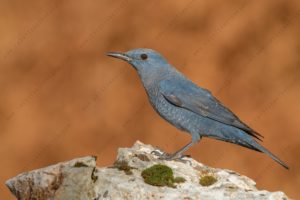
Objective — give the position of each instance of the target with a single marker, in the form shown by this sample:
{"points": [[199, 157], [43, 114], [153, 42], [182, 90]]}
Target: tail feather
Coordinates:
{"points": [[242, 138], [258, 147]]}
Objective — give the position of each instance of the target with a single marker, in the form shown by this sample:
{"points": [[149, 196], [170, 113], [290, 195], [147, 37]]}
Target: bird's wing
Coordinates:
{"points": [[187, 95]]}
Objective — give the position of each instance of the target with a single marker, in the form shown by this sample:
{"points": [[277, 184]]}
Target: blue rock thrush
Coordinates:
{"points": [[187, 106]]}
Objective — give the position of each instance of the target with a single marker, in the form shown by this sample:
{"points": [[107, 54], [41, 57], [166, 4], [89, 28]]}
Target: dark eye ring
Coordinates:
{"points": [[144, 56]]}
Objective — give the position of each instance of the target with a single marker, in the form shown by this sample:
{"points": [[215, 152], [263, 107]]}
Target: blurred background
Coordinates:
{"points": [[62, 97]]}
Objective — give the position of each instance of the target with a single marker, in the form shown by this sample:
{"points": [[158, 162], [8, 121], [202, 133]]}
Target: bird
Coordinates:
{"points": [[187, 106]]}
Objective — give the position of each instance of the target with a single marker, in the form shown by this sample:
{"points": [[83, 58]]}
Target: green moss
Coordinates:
{"points": [[179, 179], [80, 164], [161, 175], [123, 166], [207, 180]]}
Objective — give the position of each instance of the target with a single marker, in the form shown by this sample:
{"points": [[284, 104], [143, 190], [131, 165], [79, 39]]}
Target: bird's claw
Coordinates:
{"points": [[157, 152], [167, 156]]}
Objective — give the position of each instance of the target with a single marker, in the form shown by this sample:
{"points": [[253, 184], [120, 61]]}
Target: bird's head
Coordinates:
{"points": [[143, 60]]}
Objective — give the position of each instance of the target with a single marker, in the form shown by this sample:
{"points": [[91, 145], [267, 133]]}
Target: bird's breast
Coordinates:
{"points": [[171, 113], [175, 115]]}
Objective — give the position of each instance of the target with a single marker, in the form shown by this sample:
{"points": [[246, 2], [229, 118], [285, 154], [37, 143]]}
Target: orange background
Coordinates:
{"points": [[61, 97]]}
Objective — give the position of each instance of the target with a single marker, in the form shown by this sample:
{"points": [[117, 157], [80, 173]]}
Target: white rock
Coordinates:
{"points": [[81, 179]]}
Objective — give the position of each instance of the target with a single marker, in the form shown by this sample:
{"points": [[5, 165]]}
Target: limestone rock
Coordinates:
{"points": [[81, 179]]}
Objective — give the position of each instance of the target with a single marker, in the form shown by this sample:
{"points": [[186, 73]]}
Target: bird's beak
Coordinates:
{"points": [[121, 56]]}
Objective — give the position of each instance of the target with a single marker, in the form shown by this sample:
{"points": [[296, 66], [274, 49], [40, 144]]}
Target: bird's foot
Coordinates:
{"points": [[167, 156], [157, 152]]}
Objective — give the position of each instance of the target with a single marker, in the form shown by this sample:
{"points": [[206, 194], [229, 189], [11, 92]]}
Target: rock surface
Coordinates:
{"points": [[81, 179]]}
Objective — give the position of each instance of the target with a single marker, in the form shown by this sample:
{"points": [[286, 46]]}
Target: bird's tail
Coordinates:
{"points": [[247, 141], [262, 149], [242, 138]]}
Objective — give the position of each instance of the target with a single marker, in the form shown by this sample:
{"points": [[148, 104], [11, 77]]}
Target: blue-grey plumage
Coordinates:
{"points": [[187, 106]]}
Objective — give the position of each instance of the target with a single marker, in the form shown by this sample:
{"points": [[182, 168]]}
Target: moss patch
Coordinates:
{"points": [[161, 175], [179, 179], [123, 166], [207, 180]]}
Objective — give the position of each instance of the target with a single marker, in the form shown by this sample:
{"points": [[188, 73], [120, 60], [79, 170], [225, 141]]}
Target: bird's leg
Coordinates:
{"points": [[178, 154], [175, 156]]}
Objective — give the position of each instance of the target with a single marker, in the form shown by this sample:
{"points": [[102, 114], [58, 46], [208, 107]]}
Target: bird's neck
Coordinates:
{"points": [[151, 79]]}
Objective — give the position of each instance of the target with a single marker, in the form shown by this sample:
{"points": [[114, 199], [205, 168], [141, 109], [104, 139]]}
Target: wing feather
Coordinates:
{"points": [[185, 94]]}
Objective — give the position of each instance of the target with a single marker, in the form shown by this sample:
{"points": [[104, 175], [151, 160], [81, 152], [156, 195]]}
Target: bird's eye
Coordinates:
{"points": [[144, 56]]}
